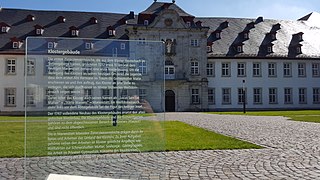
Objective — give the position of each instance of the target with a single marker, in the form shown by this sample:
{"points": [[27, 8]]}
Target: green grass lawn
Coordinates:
{"points": [[157, 136], [298, 115]]}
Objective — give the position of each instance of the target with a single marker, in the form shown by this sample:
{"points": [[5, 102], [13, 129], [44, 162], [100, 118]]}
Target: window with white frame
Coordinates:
{"points": [[241, 69], [272, 69], [142, 41], [226, 95], [112, 32], [142, 67], [104, 65], [195, 96], [49, 97], [287, 69], [31, 66], [210, 69], [39, 31], [88, 45], [218, 35], [239, 49], [211, 96], [51, 45], [142, 94], [87, 69], [288, 95], [49, 68], [188, 24], [302, 95], [30, 97], [225, 71], [68, 67], [256, 69], [106, 97], [209, 49], [269, 49], [146, 22], [273, 96], [169, 72], [10, 97], [302, 69], [257, 95], [316, 95], [4, 29], [194, 67], [194, 42], [123, 46], [69, 97], [15, 44], [315, 69], [11, 66], [87, 96], [241, 95]]}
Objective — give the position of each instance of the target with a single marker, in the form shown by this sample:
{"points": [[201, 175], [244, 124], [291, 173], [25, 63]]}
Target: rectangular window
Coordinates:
{"points": [[315, 69], [30, 97], [226, 96], [68, 67], [49, 68], [31, 66], [142, 94], [123, 46], [241, 95], [89, 46], [302, 69], [194, 67], [194, 42], [15, 45], [49, 97], [142, 41], [195, 98], [11, 66], [302, 96], [257, 95], [3, 29], [87, 97], [256, 69], [272, 69], [211, 96], [10, 97], [87, 69], [225, 69], [143, 67], [68, 97], [273, 96], [210, 69], [169, 72], [241, 69], [316, 95], [288, 95], [287, 69], [50, 45], [106, 97]]}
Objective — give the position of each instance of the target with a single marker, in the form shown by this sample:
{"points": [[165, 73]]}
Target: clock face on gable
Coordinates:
{"points": [[168, 22]]}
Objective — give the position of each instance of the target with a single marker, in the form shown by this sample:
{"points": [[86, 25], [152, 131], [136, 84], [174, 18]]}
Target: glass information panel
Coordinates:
{"points": [[90, 108]]}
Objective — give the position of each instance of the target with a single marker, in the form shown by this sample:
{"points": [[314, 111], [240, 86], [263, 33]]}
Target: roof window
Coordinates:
{"points": [[16, 43], [146, 22], [74, 31], [4, 27], [31, 17], [298, 37], [93, 20], [111, 31], [61, 19], [38, 30], [224, 24]]}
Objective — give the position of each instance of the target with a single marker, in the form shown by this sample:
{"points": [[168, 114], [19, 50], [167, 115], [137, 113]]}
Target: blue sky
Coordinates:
{"points": [[270, 9]]}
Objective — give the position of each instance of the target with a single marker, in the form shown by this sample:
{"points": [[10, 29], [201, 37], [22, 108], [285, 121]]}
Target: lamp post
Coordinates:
{"points": [[244, 96]]}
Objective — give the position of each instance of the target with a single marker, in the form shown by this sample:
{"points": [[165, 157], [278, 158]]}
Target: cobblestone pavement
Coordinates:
{"points": [[292, 152]]}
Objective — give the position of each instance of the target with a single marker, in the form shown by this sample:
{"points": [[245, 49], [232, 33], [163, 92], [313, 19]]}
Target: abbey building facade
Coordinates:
{"points": [[209, 63]]}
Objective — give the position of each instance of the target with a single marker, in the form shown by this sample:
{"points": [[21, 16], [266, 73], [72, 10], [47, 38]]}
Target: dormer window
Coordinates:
{"points": [[276, 27], [88, 45], [38, 30], [273, 36], [16, 43], [93, 20], [298, 49], [245, 35], [188, 24], [298, 37], [209, 48], [111, 31], [146, 22], [4, 27], [61, 19], [52, 45], [74, 31], [239, 48], [270, 48], [31, 18], [250, 25], [224, 24]]}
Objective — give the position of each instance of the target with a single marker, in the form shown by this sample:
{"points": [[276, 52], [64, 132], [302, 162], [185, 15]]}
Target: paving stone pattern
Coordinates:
{"points": [[292, 151]]}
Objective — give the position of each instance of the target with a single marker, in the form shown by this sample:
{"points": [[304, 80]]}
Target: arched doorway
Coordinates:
{"points": [[170, 101]]}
